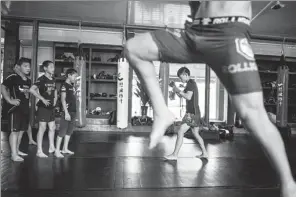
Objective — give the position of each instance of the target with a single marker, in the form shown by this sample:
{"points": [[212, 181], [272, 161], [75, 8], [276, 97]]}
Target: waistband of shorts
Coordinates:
{"points": [[221, 20]]}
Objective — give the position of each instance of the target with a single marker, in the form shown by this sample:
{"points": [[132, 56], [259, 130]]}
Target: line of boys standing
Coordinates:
{"points": [[16, 89]]}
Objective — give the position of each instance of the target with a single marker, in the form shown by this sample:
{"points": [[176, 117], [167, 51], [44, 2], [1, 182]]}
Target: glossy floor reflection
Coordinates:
{"points": [[122, 165]]}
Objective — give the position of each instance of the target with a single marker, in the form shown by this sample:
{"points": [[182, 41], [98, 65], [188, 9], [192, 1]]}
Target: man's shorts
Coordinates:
{"points": [[45, 114], [191, 120], [222, 43], [18, 121]]}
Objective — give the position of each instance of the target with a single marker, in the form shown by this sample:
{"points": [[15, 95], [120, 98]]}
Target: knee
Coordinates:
{"points": [[252, 111], [141, 47], [42, 127], [52, 128]]}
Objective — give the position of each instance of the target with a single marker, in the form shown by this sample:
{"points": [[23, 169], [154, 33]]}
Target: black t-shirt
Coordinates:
{"points": [[70, 96], [47, 89], [190, 104], [19, 89]]}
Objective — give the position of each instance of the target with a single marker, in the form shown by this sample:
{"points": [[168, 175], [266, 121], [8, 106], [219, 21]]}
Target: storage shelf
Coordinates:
{"points": [[270, 104], [103, 98], [62, 61], [266, 71], [103, 63], [97, 116], [104, 80]]}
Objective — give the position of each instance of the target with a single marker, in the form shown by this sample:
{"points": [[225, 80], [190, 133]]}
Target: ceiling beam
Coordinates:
{"points": [[129, 27]]}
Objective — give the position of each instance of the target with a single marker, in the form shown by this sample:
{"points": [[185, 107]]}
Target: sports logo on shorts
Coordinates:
{"points": [[243, 48]]}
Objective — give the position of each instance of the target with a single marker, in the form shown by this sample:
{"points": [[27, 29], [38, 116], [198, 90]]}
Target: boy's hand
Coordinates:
{"points": [[175, 89], [15, 102], [46, 102], [67, 116]]}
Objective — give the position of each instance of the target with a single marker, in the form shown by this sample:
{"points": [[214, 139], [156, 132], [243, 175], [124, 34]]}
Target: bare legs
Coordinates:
{"points": [[51, 133], [13, 142], [251, 110], [19, 140], [140, 52], [179, 142], [41, 130], [31, 140], [58, 147]]}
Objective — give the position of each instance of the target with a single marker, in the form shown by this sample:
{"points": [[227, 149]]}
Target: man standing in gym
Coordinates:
{"points": [[45, 90], [219, 29], [15, 91], [192, 116]]}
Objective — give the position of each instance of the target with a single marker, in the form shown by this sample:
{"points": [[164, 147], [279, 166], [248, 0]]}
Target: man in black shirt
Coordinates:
{"points": [[47, 96], [15, 91], [67, 124], [192, 116]]}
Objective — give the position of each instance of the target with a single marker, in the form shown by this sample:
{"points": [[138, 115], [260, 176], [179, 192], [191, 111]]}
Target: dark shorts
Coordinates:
{"points": [[224, 47], [191, 120], [45, 114], [67, 127], [19, 121]]}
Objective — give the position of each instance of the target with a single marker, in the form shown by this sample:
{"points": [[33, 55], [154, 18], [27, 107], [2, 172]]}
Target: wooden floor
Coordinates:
{"points": [[121, 165]]}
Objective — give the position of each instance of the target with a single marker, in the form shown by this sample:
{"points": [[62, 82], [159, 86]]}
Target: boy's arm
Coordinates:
{"points": [[55, 97], [64, 104], [187, 95]]}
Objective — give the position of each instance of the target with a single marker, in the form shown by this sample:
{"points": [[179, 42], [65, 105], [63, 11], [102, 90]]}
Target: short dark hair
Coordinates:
{"points": [[183, 70], [23, 60], [70, 71], [46, 63]]}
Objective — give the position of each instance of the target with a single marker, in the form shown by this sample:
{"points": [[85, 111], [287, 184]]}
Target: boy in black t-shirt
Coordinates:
{"points": [[47, 96], [192, 116], [67, 124], [15, 91]]}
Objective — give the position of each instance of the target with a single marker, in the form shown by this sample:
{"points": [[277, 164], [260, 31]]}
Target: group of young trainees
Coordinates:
{"points": [[16, 90]]}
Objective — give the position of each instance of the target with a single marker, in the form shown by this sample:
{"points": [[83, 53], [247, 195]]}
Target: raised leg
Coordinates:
{"points": [[140, 52]]}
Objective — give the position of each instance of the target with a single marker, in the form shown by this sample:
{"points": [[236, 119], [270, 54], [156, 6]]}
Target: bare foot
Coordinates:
{"points": [[16, 158], [32, 142], [203, 156], [289, 191], [22, 153], [58, 154], [67, 152], [159, 127], [171, 157], [51, 150], [41, 155]]}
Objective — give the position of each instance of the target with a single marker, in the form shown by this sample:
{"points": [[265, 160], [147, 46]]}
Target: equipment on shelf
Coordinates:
{"points": [[103, 75], [112, 95], [65, 57], [97, 58], [141, 120], [96, 111], [114, 59]]}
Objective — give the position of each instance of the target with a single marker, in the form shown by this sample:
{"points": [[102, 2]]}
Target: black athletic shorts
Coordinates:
{"points": [[45, 114], [18, 121], [222, 43]]}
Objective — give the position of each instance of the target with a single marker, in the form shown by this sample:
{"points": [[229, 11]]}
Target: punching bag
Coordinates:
{"points": [[80, 87], [282, 96], [122, 93]]}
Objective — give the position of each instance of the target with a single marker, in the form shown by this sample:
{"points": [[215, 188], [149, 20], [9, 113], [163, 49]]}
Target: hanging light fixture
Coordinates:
{"points": [[278, 5]]}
